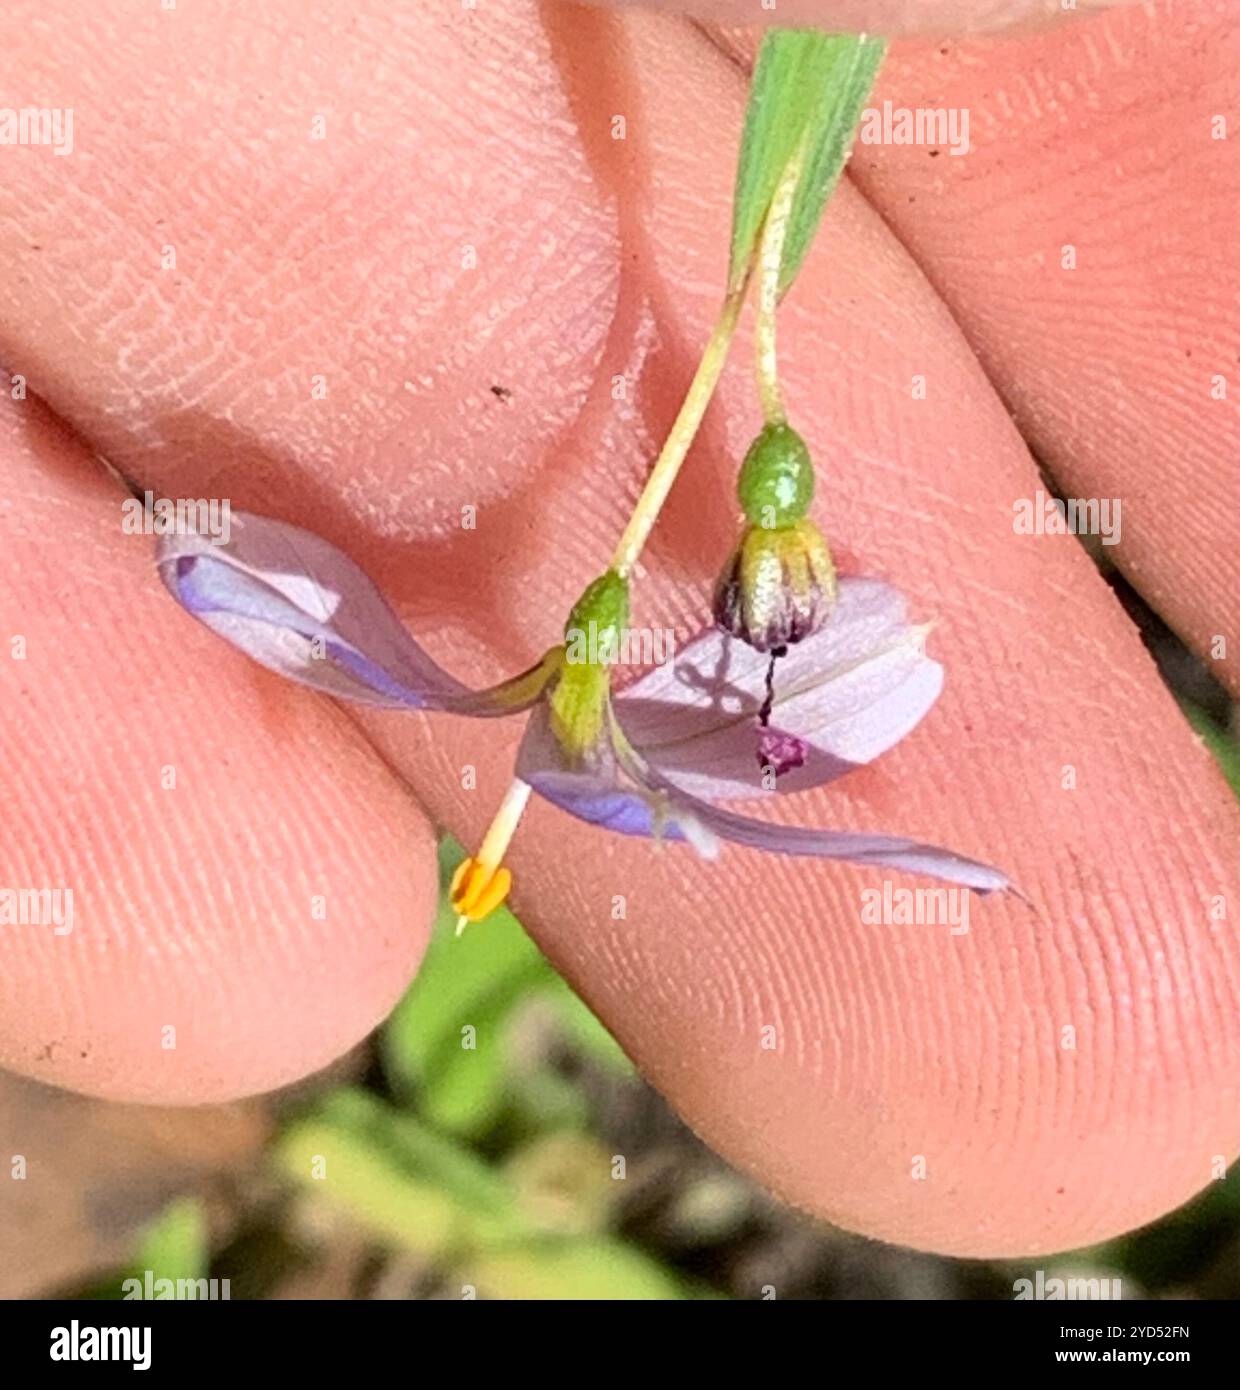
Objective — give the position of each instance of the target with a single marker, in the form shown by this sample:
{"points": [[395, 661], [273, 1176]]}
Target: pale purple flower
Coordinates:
{"points": [[703, 729]]}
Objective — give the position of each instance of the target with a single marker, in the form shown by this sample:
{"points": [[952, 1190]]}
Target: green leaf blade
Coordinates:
{"points": [[808, 92]]}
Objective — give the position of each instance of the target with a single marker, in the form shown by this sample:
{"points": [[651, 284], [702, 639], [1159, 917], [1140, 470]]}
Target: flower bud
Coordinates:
{"points": [[776, 482], [592, 639], [778, 587], [596, 625]]}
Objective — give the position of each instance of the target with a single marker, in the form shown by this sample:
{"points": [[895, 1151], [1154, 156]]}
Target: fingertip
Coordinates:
{"points": [[226, 889]]}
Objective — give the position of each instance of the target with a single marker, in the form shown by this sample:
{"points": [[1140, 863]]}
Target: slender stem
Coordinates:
{"points": [[683, 431], [706, 378], [499, 835], [770, 260]]}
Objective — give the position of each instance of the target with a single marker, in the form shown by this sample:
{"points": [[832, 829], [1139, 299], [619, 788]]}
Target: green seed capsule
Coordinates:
{"points": [[776, 483]]}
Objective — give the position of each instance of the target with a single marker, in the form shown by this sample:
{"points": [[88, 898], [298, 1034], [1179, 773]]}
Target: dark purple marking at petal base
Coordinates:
{"points": [[780, 752]]}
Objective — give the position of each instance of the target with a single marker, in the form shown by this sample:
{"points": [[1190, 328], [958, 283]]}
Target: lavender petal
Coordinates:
{"points": [[848, 693], [598, 794], [889, 851], [622, 792], [299, 606]]}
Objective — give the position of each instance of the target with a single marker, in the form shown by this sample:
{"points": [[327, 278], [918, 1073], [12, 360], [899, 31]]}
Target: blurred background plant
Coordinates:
{"points": [[492, 1140]]}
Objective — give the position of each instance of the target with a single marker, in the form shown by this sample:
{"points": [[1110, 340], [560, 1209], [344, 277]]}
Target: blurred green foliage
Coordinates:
{"points": [[480, 1160], [448, 1045], [176, 1245]]}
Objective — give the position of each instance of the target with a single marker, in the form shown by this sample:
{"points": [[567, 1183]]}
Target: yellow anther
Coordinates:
{"points": [[477, 890], [482, 882]]}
